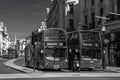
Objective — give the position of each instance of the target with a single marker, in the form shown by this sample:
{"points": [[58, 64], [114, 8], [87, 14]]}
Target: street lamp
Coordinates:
{"points": [[103, 29]]}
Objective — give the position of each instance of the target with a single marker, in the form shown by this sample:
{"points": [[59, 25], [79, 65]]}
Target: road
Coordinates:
{"points": [[68, 79], [7, 73], [6, 70], [61, 76]]}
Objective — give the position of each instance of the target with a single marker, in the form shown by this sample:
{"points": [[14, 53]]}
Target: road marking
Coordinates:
{"points": [[48, 75]]}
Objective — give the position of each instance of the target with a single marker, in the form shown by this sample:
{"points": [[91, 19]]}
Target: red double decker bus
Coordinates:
{"points": [[87, 46], [49, 49]]}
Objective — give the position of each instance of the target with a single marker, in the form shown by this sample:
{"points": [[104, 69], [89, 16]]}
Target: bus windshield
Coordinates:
{"points": [[54, 54], [90, 36], [54, 34], [91, 54]]}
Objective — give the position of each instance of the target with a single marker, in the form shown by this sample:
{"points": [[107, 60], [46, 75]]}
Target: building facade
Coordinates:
{"points": [[56, 14], [21, 46], [4, 39], [113, 30]]}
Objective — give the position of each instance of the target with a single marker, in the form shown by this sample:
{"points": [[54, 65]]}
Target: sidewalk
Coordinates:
{"points": [[113, 69], [19, 64], [16, 64]]}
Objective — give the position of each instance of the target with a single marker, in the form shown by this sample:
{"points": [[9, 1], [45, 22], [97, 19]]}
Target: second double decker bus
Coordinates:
{"points": [[87, 46], [50, 49]]}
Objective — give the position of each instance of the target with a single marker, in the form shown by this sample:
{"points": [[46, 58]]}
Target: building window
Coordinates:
{"points": [[118, 6], [92, 20], [101, 11], [101, 14], [71, 23], [86, 19], [85, 27], [71, 5], [101, 0], [92, 2]]}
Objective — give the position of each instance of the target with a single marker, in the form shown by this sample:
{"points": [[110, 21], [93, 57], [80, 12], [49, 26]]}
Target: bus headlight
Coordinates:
{"points": [[41, 51], [66, 60]]}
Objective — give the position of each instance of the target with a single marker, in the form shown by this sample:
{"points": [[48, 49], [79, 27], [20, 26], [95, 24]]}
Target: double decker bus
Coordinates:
{"points": [[49, 49], [87, 46]]}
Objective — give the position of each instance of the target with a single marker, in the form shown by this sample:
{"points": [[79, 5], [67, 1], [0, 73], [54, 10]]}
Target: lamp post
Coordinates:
{"points": [[103, 29]]}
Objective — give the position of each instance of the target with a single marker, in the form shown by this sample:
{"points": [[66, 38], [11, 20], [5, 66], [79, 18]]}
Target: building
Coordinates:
{"points": [[4, 39], [56, 14], [18, 45], [83, 16], [80, 14], [74, 15], [21, 46], [113, 32]]}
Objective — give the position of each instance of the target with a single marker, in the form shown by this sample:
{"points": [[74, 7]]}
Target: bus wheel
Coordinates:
{"points": [[90, 69]]}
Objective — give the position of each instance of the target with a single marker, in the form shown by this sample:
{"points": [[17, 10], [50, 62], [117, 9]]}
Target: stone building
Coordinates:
{"points": [[56, 14], [4, 39]]}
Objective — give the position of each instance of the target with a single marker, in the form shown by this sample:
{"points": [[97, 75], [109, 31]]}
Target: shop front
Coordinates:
{"points": [[114, 48], [113, 35]]}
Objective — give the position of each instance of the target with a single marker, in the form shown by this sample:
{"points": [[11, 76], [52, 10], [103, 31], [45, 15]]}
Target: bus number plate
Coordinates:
{"points": [[56, 67]]}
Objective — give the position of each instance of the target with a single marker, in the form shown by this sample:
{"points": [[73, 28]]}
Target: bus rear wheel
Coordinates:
{"points": [[90, 69]]}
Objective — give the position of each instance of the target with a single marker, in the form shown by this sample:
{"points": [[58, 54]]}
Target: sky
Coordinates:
{"points": [[21, 17]]}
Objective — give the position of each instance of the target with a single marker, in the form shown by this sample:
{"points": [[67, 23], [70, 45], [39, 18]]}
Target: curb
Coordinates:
{"points": [[115, 71], [11, 64]]}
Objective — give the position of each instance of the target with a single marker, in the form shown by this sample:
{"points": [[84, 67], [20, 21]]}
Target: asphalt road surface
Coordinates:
{"points": [[72, 78], [7, 73], [6, 70]]}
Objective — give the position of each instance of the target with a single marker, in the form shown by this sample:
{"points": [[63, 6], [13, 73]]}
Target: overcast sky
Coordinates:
{"points": [[21, 17]]}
